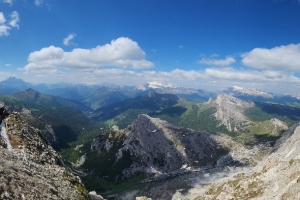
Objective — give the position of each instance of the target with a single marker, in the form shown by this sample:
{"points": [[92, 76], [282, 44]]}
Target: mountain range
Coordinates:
{"points": [[96, 96], [135, 140]]}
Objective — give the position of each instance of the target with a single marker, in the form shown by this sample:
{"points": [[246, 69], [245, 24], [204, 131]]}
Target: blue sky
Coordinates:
{"points": [[208, 44]]}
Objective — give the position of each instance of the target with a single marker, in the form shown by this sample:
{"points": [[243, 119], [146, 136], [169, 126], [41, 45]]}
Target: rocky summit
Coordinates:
{"points": [[157, 146], [230, 112], [30, 168]]}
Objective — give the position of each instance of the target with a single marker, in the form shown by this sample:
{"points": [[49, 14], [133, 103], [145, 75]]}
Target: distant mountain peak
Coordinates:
{"points": [[29, 94], [30, 90], [237, 91], [14, 81], [159, 145], [156, 85], [12, 78]]}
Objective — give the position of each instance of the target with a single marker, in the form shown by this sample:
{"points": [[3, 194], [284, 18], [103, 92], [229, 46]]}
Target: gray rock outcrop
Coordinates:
{"points": [[277, 177], [101, 143], [278, 126], [157, 146], [230, 112], [33, 170]]}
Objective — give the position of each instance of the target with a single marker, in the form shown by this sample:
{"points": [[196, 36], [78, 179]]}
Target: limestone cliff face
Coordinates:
{"points": [[32, 169], [278, 176], [160, 147], [230, 112]]}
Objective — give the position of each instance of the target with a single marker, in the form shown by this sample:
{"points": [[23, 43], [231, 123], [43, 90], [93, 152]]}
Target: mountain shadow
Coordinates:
{"points": [[175, 111], [280, 111], [65, 134], [150, 102], [31, 96]]}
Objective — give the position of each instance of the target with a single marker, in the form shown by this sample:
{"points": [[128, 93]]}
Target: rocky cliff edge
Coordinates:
{"points": [[31, 169]]}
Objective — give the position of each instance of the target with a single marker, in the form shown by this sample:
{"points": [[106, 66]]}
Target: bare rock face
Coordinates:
{"points": [[157, 146], [32, 169], [278, 126], [277, 178], [230, 111], [99, 143], [29, 142], [165, 150], [94, 196]]}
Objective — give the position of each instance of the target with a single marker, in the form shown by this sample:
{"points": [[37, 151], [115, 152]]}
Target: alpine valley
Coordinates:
{"points": [[151, 141]]}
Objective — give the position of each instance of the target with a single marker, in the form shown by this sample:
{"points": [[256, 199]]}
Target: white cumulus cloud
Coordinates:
{"points": [[277, 58], [217, 62], [6, 27], [239, 75], [4, 30], [2, 18], [68, 39], [14, 19], [122, 52]]}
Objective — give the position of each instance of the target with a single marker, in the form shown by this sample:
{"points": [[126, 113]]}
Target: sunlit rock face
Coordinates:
{"points": [[230, 112], [277, 177]]}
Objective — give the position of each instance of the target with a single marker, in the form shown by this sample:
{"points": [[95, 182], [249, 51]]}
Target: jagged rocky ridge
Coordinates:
{"points": [[156, 146], [277, 176], [160, 148], [32, 169]]}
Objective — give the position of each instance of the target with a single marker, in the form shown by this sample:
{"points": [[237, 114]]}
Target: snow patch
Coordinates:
{"points": [[253, 92]]}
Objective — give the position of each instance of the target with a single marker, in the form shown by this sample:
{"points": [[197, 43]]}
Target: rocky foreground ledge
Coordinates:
{"points": [[32, 169]]}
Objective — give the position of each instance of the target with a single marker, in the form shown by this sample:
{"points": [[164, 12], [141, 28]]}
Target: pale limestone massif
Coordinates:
{"points": [[230, 112], [276, 177]]}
